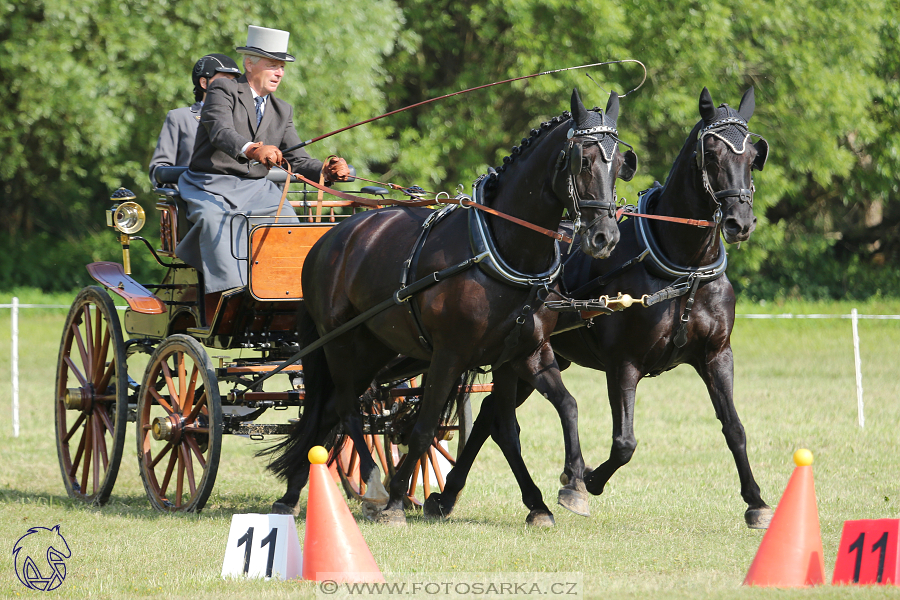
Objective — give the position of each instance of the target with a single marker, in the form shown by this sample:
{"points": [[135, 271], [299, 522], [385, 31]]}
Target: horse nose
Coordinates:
{"points": [[738, 228]]}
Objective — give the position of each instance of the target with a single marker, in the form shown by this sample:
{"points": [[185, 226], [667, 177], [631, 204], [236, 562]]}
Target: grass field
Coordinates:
{"points": [[670, 524]]}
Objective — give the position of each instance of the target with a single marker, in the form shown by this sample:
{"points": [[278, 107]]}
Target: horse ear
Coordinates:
{"points": [[762, 153], [629, 167], [748, 104], [707, 108], [579, 112], [612, 107]]}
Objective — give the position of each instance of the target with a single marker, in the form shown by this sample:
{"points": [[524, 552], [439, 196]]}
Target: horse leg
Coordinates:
{"points": [[718, 374], [544, 375], [620, 385], [440, 382]]}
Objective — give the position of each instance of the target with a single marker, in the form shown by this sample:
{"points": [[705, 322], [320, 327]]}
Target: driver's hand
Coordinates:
{"points": [[336, 169], [265, 154]]}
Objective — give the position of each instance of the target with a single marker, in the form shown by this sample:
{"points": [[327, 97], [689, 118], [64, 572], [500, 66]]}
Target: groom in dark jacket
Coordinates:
{"points": [[243, 130]]}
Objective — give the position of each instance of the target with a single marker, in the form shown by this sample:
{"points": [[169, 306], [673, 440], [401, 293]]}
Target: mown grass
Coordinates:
{"points": [[668, 526]]}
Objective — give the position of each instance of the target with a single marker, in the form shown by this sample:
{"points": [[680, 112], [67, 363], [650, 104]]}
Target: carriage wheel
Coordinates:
{"points": [[179, 426], [347, 463], [91, 403], [421, 475]]}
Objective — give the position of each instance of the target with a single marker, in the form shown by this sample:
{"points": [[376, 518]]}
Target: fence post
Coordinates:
{"points": [[854, 318], [15, 365]]}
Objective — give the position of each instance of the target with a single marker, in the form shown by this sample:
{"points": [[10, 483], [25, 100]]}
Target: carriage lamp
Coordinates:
{"points": [[127, 217]]}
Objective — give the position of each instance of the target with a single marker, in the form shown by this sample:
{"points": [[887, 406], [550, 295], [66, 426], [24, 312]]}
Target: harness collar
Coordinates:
{"points": [[656, 260], [493, 265]]}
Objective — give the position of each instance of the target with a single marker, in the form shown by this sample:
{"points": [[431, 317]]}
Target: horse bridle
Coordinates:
{"points": [[569, 163], [742, 194]]}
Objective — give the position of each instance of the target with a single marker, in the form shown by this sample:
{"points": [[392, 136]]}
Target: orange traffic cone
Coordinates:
{"points": [[333, 547], [790, 554]]}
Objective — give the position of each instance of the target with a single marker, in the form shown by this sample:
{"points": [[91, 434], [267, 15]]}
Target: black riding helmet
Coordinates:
{"points": [[207, 67]]}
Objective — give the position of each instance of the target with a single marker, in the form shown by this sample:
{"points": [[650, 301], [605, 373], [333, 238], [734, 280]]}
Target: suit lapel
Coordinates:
{"points": [[246, 96]]}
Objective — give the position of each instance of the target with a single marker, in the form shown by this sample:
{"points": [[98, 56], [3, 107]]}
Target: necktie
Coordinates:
{"points": [[260, 100]]}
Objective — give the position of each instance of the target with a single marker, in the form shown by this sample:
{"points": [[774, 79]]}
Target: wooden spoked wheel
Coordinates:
{"points": [[389, 456], [91, 402], [179, 426]]}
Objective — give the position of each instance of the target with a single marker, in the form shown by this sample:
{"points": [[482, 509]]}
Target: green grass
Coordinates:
{"points": [[670, 524]]}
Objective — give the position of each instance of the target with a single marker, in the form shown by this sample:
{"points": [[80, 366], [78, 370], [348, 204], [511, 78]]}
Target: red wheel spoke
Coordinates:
{"points": [[189, 396], [414, 480], [426, 480], [107, 375], [173, 395], [95, 454], [89, 339], [432, 457], [179, 486], [201, 404], [101, 439], [76, 372], [189, 465], [162, 401], [165, 484], [88, 448], [382, 458], [71, 432], [154, 461], [101, 410], [79, 452], [195, 449], [182, 382], [444, 452], [100, 357]]}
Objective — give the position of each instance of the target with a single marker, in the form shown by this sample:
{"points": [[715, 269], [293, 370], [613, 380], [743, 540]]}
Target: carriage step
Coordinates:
{"points": [[256, 368], [256, 431]]}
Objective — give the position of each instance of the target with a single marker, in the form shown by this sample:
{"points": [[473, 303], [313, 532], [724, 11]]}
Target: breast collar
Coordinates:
{"points": [[657, 262], [493, 265]]}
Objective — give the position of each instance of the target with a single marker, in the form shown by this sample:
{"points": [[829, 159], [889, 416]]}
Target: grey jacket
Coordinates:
{"points": [[176, 140], [228, 122]]}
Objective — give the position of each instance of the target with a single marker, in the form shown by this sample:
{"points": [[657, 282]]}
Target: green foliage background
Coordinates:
{"points": [[85, 85]]}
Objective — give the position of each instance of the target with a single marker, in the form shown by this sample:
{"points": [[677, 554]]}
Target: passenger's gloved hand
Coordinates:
{"points": [[265, 154], [336, 169]]}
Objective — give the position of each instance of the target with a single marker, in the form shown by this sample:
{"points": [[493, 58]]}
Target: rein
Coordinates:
{"points": [[461, 200]]}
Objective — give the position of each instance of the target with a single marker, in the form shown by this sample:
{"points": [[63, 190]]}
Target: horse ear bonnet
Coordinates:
{"points": [[727, 124], [587, 120]]}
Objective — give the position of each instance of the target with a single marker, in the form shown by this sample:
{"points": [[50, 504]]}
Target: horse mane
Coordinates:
{"points": [[493, 180], [686, 150]]}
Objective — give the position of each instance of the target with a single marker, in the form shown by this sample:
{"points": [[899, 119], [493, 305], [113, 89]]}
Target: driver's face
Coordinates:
{"points": [[265, 75]]}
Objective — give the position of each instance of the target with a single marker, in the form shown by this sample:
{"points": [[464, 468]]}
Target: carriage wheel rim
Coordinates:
{"points": [[89, 421], [179, 466]]}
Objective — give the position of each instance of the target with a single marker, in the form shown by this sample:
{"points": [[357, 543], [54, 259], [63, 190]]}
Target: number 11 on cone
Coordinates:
{"points": [[868, 553]]}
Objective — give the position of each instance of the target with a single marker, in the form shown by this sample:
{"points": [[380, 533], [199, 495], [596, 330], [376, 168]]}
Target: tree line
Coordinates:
{"points": [[85, 86]]}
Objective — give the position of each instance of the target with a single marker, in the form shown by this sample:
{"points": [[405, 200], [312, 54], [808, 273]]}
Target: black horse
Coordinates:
{"points": [[479, 316], [678, 270]]}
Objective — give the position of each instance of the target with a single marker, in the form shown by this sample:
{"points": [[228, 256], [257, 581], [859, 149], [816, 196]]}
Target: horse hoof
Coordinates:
{"points": [[540, 518], [371, 511], [392, 517], [759, 518], [280, 508], [574, 500], [432, 508]]}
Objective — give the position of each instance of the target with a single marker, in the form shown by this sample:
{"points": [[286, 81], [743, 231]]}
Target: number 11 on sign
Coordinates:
{"points": [[868, 552], [262, 546]]}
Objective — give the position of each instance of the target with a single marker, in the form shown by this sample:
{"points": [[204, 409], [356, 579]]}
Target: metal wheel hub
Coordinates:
{"points": [[166, 429], [80, 398]]}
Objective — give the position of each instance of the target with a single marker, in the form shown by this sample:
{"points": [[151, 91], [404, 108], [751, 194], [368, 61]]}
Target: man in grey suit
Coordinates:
{"points": [[176, 140], [243, 130]]}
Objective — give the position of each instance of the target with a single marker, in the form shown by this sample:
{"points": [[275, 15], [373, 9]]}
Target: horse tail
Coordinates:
{"points": [[318, 385], [458, 397]]}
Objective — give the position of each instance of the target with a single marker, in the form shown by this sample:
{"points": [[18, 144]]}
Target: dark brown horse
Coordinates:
{"points": [[681, 275], [481, 316]]}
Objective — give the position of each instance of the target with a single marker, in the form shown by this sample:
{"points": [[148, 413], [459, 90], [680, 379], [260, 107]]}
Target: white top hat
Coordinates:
{"points": [[268, 43]]}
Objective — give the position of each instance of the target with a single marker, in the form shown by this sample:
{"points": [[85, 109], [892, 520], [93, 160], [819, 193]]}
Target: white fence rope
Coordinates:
{"points": [[854, 316]]}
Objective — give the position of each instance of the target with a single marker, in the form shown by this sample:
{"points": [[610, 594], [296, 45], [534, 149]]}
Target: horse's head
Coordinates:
{"points": [[724, 158], [586, 171]]}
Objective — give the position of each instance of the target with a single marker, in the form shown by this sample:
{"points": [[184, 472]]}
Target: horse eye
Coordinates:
{"points": [[585, 164]]}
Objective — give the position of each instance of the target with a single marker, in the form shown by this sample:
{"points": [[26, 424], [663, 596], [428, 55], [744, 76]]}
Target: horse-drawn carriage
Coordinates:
{"points": [[185, 401]]}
